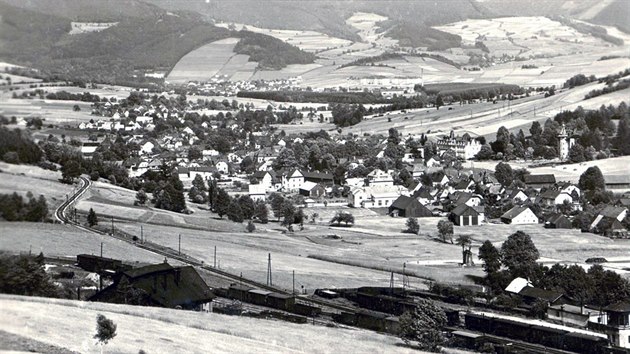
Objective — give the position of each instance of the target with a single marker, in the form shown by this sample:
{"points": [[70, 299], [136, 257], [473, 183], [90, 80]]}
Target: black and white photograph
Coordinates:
{"points": [[315, 176]]}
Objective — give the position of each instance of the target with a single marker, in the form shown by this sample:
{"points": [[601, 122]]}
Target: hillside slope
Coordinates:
{"points": [[157, 330], [122, 53], [616, 14], [327, 16], [88, 10]]}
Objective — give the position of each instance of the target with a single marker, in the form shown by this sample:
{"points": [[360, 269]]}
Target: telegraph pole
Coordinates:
{"points": [[101, 249], [215, 257], [405, 279], [141, 234], [293, 282], [391, 283], [269, 279], [179, 247], [112, 226]]}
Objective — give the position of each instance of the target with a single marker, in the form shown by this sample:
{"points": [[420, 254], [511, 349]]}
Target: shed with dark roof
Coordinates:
{"points": [[540, 181], [408, 207], [464, 215]]}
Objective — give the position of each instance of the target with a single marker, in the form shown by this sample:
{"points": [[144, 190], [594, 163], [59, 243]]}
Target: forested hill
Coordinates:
{"points": [[89, 11], [266, 51], [120, 53], [327, 16]]}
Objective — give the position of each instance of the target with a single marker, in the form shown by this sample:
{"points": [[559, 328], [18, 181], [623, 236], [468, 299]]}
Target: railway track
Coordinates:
{"points": [[60, 213]]}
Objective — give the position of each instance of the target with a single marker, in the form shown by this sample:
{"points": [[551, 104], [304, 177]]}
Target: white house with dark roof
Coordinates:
{"points": [[519, 215]]}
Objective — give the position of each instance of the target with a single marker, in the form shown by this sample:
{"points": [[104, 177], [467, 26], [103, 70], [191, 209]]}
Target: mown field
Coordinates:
{"points": [[57, 240], [157, 330], [25, 178]]}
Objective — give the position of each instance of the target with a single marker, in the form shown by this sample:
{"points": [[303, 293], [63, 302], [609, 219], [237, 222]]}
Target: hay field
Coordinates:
{"points": [[51, 111], [206, 61], [67, 241], [157, 330], [309, 41], [569, 172], [26, 178], [243, 253]]}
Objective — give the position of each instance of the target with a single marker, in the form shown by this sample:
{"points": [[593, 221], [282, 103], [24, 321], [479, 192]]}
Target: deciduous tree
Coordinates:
{"points": [[105, 330], [490, 256], [445, 229], [503, 173], [519, 255], [422, 327], [412, 226]]}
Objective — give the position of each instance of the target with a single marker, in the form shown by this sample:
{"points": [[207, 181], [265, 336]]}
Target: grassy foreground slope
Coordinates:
{"points": [[71, 324]]}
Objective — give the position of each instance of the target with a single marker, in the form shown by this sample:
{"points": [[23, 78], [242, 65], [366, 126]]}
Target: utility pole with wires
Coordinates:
{"points": [[179, 245], [141, 234], [269, 279], [391, 283], [405, 277]]}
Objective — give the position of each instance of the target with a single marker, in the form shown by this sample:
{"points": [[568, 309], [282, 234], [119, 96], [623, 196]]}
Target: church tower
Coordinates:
{"points": [[563, 144]]}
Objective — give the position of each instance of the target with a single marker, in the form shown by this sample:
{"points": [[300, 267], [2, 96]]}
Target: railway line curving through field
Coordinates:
{"points": [[60, 215], [60, 212]]}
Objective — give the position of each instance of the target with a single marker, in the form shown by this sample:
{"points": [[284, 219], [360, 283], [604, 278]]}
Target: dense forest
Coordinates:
{"points": [[466, 91], [416, 34], [270, 52]]}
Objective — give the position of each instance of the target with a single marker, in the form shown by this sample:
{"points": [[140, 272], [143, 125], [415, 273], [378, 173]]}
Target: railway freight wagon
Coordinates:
{"points": [[371, 320], [271, 299], [384, 303], [93, 263], [531, 333]]}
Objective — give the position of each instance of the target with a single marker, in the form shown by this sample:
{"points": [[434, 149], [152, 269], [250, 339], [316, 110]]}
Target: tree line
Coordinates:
{"points": [[517, 258], [13, 207]]}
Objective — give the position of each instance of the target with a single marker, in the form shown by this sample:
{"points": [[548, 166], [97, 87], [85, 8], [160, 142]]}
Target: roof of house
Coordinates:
{"points": [[612, 211], [550, 194], [554, 218], [514, 212], [617, 179], [307, 186], [540, 179], [142, 271], [610, 224], [317, 175], [622, 306], [402, 202], [464, 210], [516, 192], [423, 193], [537, 293], [517, 284]]}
